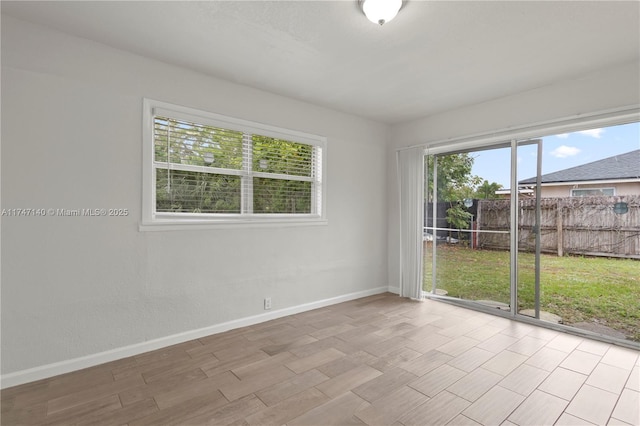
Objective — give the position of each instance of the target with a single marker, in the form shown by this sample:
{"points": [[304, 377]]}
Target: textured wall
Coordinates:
{"points": [[71, 138]]}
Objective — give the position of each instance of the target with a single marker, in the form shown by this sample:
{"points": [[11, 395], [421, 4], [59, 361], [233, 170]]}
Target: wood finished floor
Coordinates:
{"points": [[380, 360]]}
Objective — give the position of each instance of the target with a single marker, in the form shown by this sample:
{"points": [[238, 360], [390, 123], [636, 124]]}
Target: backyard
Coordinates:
{"points": [[600, 291]]}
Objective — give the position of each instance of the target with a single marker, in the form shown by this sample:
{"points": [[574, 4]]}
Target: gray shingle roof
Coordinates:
{"points": [[622, 166]]}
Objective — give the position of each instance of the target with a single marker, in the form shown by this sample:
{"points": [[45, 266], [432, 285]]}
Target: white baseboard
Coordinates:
{"points": [[50, 370], [394, 290]]}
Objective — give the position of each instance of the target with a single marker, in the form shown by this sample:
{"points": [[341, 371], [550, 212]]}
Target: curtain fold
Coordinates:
{"points": [[411, 181]]}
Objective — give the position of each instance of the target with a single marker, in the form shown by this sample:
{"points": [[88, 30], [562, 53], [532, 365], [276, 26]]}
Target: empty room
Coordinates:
{"points": [[357, 212]]}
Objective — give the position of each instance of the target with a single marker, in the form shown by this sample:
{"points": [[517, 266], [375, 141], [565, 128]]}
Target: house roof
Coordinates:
{"points": [[622, 166]]}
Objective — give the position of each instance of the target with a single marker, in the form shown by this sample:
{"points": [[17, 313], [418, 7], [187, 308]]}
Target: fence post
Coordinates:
{"points": [[478, 221], [559, 236]]}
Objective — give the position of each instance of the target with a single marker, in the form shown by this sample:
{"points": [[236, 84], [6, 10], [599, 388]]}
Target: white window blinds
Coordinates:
{"points": [[204, 167]]}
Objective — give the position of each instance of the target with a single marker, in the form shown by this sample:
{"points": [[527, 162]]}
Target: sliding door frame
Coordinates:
{"points": [[514, 231], [513, 137], [513, 227]]}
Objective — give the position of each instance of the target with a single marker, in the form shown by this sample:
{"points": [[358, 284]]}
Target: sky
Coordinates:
{"points": [[559, 152]]}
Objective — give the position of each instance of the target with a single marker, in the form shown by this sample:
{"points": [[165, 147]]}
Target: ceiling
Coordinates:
{"points": [[435, 56]]}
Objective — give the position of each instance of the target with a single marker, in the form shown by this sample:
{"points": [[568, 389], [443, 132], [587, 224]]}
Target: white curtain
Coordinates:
{"points": [[411, 179]]}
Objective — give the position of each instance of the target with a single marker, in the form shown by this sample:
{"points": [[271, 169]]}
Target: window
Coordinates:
{"points": [[204, 168], [592, 192]]}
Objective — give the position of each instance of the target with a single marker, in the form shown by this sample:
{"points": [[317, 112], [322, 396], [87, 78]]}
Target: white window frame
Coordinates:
{"points": [[152, 220], [613, 190]]}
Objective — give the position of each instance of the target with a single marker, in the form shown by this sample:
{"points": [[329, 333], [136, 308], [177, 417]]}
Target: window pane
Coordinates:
{"points": [[182, 142], [193, 192], [281, 196], [484, 275], [283, 157], [592, 192]]}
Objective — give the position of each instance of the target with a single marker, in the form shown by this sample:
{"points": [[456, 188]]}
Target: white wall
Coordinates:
{"points": [[605, 90], [71, 138]]}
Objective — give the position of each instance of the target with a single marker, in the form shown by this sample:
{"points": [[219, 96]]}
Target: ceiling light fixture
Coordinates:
{"points": [[380, 11]]}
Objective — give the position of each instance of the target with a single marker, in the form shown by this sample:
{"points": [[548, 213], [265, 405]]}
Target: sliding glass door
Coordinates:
{"points": [[457, 227], [481, 236], [560, 245]]}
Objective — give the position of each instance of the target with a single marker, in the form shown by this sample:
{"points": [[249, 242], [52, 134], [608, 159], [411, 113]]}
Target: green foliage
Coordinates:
{"points": [[284, 158], [455, 183], [210, 191], [487, 190], [458, 217], [181, 142], [281, 196], [192, 192]]}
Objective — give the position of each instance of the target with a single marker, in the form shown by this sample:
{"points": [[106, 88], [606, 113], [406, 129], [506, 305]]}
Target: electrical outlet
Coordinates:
{"points": [[267, 303]]}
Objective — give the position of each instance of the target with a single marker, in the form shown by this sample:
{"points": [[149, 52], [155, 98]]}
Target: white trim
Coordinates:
{"points": [[54, 369], [520, 191], [610, 117], [394, 289], [204, 225]]}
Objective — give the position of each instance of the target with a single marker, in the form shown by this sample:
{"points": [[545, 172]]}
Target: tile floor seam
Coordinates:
{"points": [[554, 362], [515, 408], [618, 397], [576, 394]]}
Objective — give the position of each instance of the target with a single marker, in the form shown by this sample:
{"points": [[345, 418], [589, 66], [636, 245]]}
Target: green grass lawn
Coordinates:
{"points": [[578, 289]]}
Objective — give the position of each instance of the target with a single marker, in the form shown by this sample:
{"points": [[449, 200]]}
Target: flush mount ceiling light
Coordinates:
{"points": [[380, 11]]}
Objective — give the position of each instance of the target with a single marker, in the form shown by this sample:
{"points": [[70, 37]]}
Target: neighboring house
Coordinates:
{"points": [[617, 175], [525, 192]]}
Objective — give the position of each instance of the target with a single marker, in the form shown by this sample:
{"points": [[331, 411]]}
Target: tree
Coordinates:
{"points": [[283, 158], [455, 182], [181, 142], [208, 191], [487, 190]]}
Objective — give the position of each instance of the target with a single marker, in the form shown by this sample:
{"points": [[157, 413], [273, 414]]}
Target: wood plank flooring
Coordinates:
{"points": [[380, 360]]}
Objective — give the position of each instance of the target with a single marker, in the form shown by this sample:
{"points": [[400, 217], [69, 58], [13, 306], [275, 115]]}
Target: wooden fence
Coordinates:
{"points": [[573, 225]]}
